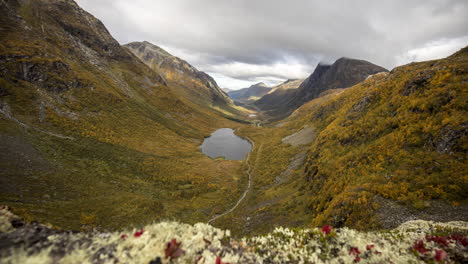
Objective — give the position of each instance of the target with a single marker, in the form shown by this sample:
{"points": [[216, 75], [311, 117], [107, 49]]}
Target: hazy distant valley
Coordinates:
{"points": [[98, 137]]}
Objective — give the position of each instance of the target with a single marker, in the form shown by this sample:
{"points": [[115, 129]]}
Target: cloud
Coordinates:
{"points": [[433, 50], [244, 39]]}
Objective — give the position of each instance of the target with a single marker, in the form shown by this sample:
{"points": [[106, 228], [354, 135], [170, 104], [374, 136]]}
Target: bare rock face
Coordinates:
{"points": [[345, 72]]}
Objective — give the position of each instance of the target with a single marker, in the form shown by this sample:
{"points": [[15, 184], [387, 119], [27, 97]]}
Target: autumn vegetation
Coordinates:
{"points": [[400, 136]]}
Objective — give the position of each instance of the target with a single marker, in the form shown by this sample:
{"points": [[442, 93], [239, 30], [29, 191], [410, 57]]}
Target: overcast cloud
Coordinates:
{"points": [[241, 42]]}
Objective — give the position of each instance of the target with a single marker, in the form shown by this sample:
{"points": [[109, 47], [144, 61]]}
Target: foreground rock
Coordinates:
{"points": [[172, 242]]}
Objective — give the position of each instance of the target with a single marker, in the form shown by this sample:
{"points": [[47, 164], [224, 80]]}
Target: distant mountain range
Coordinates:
{"points": [[344, 73], [250, 94], [275, 96]]}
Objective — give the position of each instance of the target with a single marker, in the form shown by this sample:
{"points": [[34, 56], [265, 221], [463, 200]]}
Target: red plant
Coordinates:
{"points": [[460, 239], [327, 229], [173, 249], [123, 236], [354, 251], [218, 261], [441, 240], [419, 247], [139, 233], [369, 247], [440, 255]]}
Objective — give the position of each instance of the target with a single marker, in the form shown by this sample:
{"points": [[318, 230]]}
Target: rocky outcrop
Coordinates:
{"points": [[345, 72]]}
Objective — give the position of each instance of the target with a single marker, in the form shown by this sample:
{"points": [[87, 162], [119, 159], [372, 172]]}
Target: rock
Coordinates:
{"points": [[416, 83], [344, 73], [302, 137], [448, 138]]}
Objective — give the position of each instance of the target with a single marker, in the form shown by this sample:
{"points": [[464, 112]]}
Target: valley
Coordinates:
{"points": [[99, 137]]}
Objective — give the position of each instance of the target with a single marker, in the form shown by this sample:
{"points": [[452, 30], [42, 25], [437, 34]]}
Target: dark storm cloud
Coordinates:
{"points": [[242, 39]]}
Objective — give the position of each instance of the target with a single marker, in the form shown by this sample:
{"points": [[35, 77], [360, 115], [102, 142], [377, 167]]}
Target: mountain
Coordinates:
{"points": [[249, 94], [287, 85], [91, 136], [389, 149], [226, 90], [275, 96], [345, 72], [187, 80]]}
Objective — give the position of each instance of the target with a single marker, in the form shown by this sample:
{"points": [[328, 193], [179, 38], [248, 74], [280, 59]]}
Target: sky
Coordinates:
{"points": [[242, 42]]}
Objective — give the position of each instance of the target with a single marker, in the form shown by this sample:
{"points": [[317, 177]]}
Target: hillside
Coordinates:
{"points": [[385, 151], [189, 82], [250, 94], [91, 136], [343, 73], [275, 96]]}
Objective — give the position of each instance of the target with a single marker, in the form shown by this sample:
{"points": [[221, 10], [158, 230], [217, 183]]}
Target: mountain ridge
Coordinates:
{"points": [[277, 94], [343, 73], [188, 81], [249, 94]]}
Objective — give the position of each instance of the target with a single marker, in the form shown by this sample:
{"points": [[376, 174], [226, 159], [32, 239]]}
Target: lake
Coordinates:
{"points": [[224, 143]]}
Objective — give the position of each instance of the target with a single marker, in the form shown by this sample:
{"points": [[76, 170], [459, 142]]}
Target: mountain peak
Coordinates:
{"points": [[260, 84], [146, 45], [189, 80], [251, 93]]}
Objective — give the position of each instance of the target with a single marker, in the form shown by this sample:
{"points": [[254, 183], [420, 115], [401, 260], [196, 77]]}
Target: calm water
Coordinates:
{"points": [[224, 143]]}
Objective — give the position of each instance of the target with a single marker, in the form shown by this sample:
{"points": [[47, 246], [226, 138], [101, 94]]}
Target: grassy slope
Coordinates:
{"points": [[134, 156], [400, 136], [189, 85]]}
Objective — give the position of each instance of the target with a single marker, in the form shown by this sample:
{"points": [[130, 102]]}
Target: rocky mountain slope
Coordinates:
{"points": [[275, 96], [250, 94], [172, 242], [345, 72], [90, 135], [385, 151], [190, 83]]}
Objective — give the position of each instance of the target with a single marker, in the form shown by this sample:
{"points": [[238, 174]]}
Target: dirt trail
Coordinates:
{"points": [[249, 185]]}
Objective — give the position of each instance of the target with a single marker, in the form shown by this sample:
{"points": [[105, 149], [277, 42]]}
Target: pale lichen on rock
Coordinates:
{"points": [[173, 242]]}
